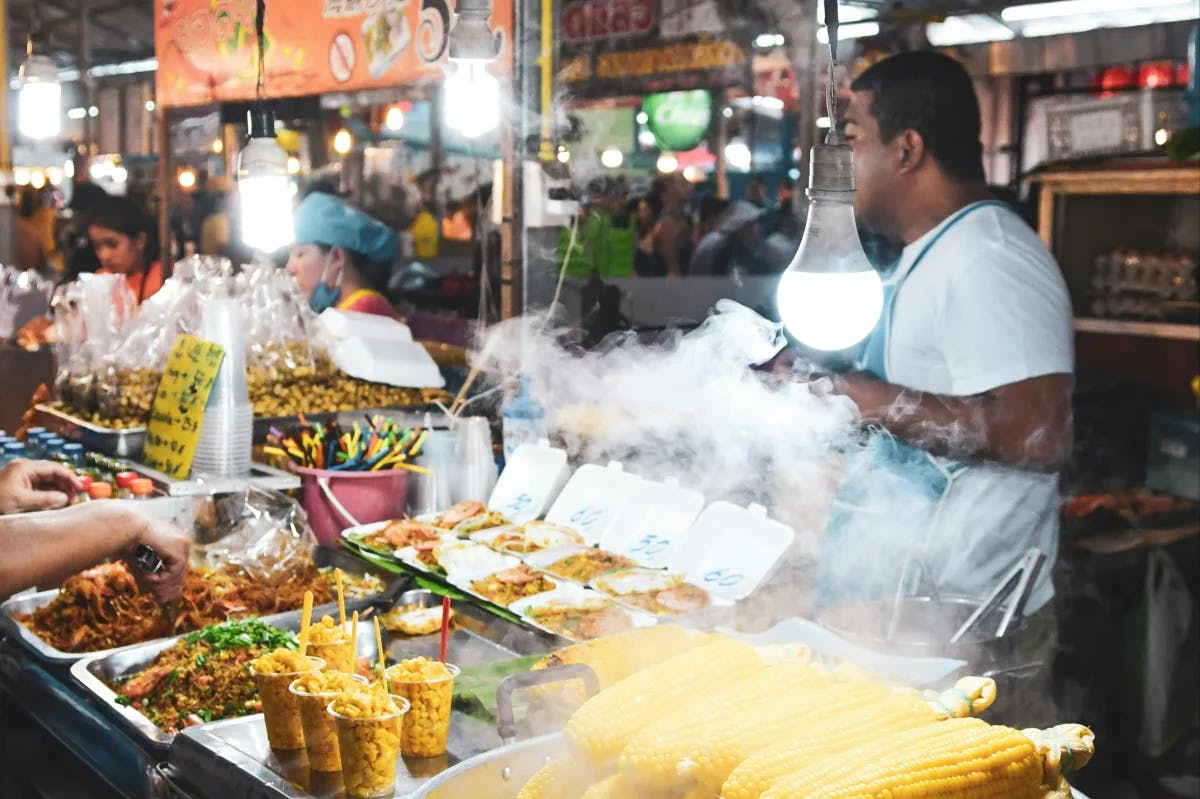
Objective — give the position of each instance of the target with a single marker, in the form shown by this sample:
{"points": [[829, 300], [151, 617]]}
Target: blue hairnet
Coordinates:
{"points": [[325, 219]]}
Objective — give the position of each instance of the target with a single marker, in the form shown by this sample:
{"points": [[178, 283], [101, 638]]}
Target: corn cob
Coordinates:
{"points": [[614, 658], [654, 755], [763, 713], [954, 759], [599, 730], [835, 734], [617, 787], [558, 779]]}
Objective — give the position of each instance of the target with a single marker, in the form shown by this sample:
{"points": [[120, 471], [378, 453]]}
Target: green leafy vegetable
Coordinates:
{"points": [[242, 634], [123, 700]]}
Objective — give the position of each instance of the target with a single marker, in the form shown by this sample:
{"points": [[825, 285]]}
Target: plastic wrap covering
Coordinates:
{"points": [[93, 316], [24, 296], [263, 532]]}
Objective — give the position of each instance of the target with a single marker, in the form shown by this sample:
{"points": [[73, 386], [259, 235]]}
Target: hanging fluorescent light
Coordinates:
{"points": [[846, 14], [1125, 18], [855, 30], [968, 29], [218, 146], [264, 186], [1063, 8], [39, 108], [472, 94]]}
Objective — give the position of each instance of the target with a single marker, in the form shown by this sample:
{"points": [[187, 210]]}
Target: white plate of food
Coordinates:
{"points": [[579, 564], [464, 518], [450, 555], [528, 538], [390, 536], [579, 613], [656, 591], [506, 585]]}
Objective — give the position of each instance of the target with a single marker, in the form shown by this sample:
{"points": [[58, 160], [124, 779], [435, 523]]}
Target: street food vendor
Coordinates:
{"points": [[965, 384], [337, 247], [44, 548], [125, 240]]}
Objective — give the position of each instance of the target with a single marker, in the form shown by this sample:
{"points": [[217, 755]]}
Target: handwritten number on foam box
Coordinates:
{"points": [[651, 545], [725, 578], [586, 518], [179, 402]]}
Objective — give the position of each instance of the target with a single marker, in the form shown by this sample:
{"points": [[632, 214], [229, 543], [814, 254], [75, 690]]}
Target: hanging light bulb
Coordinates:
{"points": [[343, 142], [264, 188], [472, 95], [39, 107], [394, 118]]}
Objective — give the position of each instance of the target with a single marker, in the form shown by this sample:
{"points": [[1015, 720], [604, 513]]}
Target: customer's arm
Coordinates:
{"points": [[44, 548]]}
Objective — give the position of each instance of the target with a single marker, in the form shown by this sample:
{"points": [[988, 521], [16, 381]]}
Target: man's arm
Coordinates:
{"points": [[1025, 424], [45, 548], [669, 234]]}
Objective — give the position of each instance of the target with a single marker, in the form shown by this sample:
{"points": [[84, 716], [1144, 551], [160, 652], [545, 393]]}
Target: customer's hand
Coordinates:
{"points": [[36, 485], [172, 546]]}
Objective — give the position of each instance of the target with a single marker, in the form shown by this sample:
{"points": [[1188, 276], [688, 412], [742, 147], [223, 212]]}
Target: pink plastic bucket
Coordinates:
{"points": [[337, 500]]}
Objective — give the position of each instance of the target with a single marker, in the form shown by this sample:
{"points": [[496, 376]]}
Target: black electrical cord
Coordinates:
{"points": [[260, 15]]}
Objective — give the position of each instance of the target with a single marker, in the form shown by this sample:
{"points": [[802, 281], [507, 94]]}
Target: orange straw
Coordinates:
{"points": [[305, 620], [382, 659], [445, 629]]}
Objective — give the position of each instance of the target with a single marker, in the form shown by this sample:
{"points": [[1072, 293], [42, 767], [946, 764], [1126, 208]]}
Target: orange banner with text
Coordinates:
{"points": [[207, 49]]}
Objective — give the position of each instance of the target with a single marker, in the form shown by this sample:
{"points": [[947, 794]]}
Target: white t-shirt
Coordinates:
{"points": [[986, 306]]}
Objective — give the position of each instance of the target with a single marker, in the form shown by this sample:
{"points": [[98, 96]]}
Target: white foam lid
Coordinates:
{"points": [[531, 480], [592, 499], [655, 523], [379, 349], [731, 550]]}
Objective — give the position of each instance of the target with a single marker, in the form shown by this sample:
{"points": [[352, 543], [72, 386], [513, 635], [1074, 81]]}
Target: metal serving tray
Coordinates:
{"points": [[31, 602], [125, 443], [480, 638]]}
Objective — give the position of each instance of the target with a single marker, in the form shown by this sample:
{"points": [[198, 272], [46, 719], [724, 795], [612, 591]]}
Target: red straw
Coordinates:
{"points": [[445, 628]]}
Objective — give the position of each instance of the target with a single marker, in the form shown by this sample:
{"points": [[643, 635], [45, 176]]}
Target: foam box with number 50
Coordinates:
{"points": [[731, 550], [655, 524]]}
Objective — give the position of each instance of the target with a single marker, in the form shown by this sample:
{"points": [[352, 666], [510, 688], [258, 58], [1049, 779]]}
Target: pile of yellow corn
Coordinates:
{"points": [[715, 718]]}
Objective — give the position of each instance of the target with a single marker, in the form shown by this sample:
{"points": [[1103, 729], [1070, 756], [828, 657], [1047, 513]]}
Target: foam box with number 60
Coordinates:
{"points": [[593, 498], [655, 524], [731, 550], [531, 480]]}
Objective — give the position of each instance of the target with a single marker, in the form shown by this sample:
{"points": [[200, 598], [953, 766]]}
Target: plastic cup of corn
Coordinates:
{"points": [[274, 672], [368, 725], [428, 685], [331, 642], [314, 691]]}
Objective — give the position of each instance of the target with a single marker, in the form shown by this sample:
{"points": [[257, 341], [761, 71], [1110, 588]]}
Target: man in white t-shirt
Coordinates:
{"points": [[967, 381]]}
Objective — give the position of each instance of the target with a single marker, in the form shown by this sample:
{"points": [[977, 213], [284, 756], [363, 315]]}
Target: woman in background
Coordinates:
{"points": [[126, 243], [338, 250]]}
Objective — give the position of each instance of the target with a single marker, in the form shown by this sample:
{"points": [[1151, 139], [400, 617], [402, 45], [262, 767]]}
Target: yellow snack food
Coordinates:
{"points": [[314, 691], [331, 642], [428, 685], [274, 672], [368, 725]]}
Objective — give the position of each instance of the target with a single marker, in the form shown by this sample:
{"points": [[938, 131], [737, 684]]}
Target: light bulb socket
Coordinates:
{"points": [[831, 170], [260, 119], [471, 39]]}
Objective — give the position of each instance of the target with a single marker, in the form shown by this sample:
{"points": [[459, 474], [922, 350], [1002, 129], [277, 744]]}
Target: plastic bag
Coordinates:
{"points": [[263, 532], [93, 316]]}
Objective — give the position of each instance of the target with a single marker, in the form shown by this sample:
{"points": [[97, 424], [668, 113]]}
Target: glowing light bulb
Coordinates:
{"points": [[265, 187], [563, 155], [1161, 137], [343, 142], [293, 165], [830, 298], [21, 177], [187, 179], [218, 146], [612, 158], [394, 119], [120, 174], [472, 100], [37, 179], [738, 156], [667, 163], [39, 108]]}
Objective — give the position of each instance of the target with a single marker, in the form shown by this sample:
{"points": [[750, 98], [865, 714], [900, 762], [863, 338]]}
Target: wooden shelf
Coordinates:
{"points": [[1137, 177], [1121, 327]]}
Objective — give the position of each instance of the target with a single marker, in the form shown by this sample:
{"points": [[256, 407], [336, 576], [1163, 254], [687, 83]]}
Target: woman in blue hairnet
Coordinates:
{"points": [[336, 247]]}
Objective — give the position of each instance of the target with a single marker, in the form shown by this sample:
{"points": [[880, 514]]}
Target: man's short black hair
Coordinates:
{"points": [[932, 94]]}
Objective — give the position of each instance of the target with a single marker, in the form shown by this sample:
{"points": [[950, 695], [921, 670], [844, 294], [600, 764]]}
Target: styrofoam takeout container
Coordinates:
{"points": [[574, 595], [545, 534], [593, 498], [731, 550], [655, 524], [463, 580], [531, 480]]}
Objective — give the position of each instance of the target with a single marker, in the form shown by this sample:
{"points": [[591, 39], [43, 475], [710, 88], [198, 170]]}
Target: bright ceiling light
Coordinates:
{"points": [[667, 163], [151, 105], [76, 113], [187, 178], [692, 174], [765, 40], [37, 179], [218, 146], [846, 14], [738, 156], [1161, 136], [120, 174], [767, 103], [21, 177], [968, 29], [343, 142], [854, 30], [93, 111], [1064, 8], [823, 123], [472, 105], [612, 158], [646, 138], [264, 188], [293, 165], [39, 107], [1131, 16], [642, 117], [69, 169], [393, 120], [563, 155], [55, 175]]}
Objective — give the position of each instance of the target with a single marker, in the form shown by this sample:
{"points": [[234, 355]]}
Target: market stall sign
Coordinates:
{"points": [[630, 47], [206, 49], [178, 408], [678, 120]]}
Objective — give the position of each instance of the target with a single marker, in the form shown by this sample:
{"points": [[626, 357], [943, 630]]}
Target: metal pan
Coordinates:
{"points": [[125, 443]]}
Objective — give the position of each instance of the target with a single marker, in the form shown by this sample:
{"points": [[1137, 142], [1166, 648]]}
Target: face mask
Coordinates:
{"points": [[324, 296]]}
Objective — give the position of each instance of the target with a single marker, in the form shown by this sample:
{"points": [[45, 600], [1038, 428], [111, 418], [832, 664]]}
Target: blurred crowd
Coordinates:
{"points": [[666, 229]]}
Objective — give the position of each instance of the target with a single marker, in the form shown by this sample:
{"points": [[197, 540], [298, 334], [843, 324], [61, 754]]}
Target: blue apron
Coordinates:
{"points": [[891, 493]]}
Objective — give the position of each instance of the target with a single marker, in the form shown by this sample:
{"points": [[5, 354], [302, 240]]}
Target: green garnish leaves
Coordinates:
{"points": [[242, 634], [123, 700]]}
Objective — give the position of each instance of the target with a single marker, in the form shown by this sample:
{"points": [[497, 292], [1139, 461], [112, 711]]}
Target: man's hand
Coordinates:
{"points": [[172, 546], [36, 485]]}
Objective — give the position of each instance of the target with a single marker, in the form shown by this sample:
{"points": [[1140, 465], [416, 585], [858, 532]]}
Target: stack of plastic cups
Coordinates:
{"points": [[433, 492], [477, 465], [227, 432]]}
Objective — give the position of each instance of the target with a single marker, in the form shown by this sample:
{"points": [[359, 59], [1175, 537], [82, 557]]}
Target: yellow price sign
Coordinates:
{"points": [[178, 408]]}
